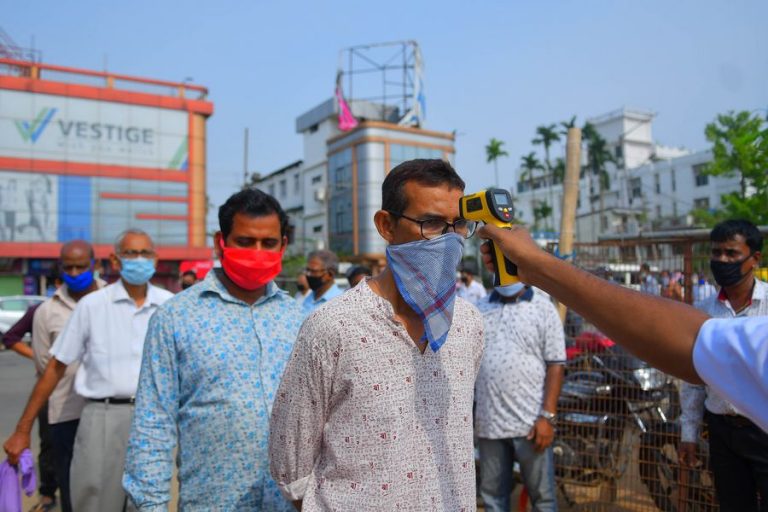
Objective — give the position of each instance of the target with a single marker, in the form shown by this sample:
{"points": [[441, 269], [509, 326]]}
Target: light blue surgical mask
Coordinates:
{"points": [[425, 275], [510, 290], [137, 271]]}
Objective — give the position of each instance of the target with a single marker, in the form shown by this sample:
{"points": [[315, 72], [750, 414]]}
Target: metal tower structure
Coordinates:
{"points": [[389, 76]]}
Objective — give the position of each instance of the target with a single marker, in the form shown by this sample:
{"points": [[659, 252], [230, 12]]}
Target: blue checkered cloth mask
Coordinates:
{"points": [[425, 275]]}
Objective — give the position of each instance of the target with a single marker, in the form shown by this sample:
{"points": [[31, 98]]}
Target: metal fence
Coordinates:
{"points": [[618, 430]]}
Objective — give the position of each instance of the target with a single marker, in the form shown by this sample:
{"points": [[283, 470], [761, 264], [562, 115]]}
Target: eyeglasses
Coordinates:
{"points": [[132, 255], [432, 228], [314, 272]]}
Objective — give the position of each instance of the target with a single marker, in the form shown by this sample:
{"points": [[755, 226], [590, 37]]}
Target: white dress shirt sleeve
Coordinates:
{"points": [[70, 344], [731, 356]]}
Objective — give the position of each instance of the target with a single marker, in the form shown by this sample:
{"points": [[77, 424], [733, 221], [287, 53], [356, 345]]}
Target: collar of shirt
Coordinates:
{"points": [[333, 291], [759, 293], [119, 293], [62, 294], [212, 285]]}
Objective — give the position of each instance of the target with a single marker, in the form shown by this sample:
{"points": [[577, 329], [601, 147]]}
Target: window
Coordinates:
{"points": [[271, 189], [317, 229], [283, 188], [636, 186], [702, 179], [701, 203], [657, 183], [296, 183], [317, 179], [674, 181], [619, 153], [658, 211]]}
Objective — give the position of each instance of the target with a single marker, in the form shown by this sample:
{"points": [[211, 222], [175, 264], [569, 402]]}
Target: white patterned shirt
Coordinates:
{"points": [[364, 421], [521, 339], [694, 398]]}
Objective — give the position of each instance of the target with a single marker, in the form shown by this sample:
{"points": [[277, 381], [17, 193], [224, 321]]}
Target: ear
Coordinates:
{"points": [[385, 225], [115, 261], [758, 258], [284, 242], [218, 240]]}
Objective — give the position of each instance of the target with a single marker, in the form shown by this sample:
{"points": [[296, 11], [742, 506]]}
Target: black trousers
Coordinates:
{"points": [[63, 437], [739, 458], [46, 460]]}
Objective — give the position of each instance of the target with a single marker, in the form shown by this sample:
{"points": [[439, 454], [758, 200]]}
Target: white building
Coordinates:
{"points": [[651, 187]]}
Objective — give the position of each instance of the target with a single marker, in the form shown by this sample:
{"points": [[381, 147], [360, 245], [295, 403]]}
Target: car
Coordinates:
{"points": [[13, 307]]}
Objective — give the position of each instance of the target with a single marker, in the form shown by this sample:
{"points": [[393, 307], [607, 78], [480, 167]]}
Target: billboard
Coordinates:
{"points": [[67, 129]]}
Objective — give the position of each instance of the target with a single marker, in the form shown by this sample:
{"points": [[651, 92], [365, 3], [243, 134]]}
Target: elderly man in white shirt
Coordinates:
{"points": [[106, 335]]}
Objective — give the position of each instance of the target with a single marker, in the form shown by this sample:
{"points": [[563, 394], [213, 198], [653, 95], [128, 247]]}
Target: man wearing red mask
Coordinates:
{"points": [[212, 362]]}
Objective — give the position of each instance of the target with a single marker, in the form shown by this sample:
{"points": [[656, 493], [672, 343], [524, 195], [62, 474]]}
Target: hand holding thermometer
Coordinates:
{"points": [[493, 206]]}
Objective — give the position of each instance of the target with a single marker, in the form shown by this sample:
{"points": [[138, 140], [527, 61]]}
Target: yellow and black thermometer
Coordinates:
{"points": [[493, 206]]}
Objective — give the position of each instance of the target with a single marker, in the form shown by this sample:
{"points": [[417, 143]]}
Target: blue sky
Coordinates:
{"points": [[493, 69]]}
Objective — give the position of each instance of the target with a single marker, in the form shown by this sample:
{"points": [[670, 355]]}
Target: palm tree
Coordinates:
{"points": [[530, 164], [492, 152], [598, 156], [545, 136]]}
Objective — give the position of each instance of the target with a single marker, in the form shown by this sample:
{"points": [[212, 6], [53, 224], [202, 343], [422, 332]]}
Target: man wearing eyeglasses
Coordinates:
{"points": [[105, 334], [322, 267], [375, 406]]}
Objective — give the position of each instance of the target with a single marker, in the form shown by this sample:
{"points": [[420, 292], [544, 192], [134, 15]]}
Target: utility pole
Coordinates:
{"points": [[245, 159], [570, 198]]}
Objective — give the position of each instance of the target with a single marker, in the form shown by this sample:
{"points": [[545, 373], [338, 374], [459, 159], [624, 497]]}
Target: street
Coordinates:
{"points": [[17, 377]]}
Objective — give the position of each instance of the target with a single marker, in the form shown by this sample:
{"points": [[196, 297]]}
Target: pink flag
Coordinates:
{"points": [[346, 120]]}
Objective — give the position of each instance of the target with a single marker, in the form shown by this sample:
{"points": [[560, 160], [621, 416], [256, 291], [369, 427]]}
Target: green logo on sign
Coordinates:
{"points": [[31, 131]]}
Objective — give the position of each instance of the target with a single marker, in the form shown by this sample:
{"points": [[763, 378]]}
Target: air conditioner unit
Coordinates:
{"points": [[320, 194]]}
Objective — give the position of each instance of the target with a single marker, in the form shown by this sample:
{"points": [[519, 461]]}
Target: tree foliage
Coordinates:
{"points": [[739, 148], [493, 152]]}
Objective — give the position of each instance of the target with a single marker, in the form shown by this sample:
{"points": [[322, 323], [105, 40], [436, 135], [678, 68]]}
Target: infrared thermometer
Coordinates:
{"points": [[493, 206]]}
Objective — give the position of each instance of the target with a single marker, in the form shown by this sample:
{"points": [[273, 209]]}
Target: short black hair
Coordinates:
{"points": [[358, 270], [253, 203], [190, 273], [727, 230], [429, 172]]}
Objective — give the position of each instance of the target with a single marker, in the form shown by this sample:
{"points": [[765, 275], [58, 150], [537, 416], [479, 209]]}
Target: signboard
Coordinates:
{"points": [[65, 129]]}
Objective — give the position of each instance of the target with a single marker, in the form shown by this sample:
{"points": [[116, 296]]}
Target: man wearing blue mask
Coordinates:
{"points": [[375, 406], [105, 334], [516, 395], [76, 264]]}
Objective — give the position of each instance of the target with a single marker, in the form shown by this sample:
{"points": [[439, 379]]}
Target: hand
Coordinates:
{"points": [[14, 445], [516, 244], [542, 434], [686, 453]]}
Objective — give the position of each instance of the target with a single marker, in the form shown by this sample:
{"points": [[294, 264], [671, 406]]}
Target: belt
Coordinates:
{"points": [[113, 400]]}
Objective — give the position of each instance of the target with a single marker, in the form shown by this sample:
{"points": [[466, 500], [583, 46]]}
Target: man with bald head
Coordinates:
{"points": [[105, 334], [76, 266]]}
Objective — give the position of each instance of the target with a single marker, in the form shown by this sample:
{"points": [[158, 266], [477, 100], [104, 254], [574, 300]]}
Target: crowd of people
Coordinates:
{"points": [[365, 399]]}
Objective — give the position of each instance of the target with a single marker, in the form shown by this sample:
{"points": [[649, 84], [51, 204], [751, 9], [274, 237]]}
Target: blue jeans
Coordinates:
{"points": [[497, 458]]}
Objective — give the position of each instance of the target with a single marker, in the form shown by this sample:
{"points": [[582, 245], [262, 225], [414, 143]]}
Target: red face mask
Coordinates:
{"points": [[250, 269]]}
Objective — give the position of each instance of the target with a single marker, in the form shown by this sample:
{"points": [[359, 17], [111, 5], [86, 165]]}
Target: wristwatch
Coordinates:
{"points": [[549, 416]]}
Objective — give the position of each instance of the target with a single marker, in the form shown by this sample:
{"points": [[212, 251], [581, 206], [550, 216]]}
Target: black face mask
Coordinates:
{"points": [[315, 282], [184, 286], [727, 273]]}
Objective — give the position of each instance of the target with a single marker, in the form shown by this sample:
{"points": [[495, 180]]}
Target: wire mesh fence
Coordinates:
{"points": [[618, 432]]}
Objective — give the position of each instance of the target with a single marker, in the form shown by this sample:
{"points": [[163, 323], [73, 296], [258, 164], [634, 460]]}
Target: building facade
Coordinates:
{"points": [[651, 187], [87, 154], [332, 194]]}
